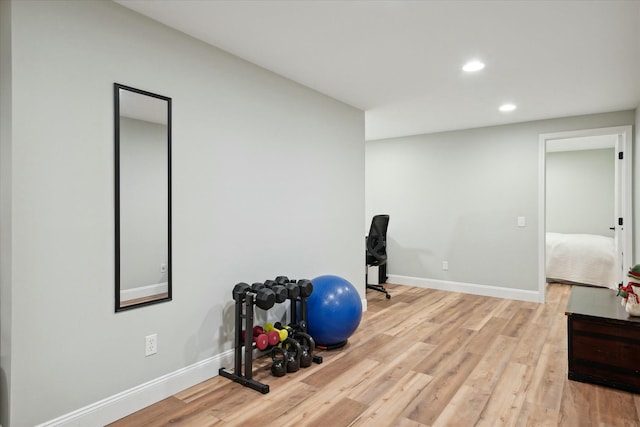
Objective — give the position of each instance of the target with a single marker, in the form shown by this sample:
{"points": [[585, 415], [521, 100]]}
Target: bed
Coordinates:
{"points": [[586, 259]]}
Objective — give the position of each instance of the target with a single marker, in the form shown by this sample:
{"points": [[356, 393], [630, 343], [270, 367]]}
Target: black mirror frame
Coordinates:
{"points": [[116, 94]]}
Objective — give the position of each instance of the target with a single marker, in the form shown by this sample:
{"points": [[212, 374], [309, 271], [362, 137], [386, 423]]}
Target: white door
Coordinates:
{"points": [[621, 220]]}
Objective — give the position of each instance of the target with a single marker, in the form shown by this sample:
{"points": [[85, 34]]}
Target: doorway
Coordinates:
{"points": [[618, 140]]}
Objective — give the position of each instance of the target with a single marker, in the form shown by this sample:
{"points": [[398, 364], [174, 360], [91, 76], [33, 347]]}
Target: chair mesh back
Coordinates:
{"points": [[377, 240]]}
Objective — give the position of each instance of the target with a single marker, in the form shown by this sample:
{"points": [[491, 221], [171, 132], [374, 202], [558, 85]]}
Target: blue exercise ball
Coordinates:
{"points": [[334, 310]]}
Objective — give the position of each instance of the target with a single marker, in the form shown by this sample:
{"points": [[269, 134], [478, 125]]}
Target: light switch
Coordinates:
{"points": [[522, 221]]}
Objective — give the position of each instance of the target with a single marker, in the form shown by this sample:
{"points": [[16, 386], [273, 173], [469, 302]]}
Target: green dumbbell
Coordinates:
{"points": [[282, 327]]}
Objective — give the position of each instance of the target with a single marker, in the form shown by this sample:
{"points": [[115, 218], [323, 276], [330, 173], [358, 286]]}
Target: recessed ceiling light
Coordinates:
{"points": [[473, 66], [505, 108]]}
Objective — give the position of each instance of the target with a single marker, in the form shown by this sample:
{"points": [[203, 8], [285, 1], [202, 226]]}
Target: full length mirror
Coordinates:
{"points": [[142, 197]]}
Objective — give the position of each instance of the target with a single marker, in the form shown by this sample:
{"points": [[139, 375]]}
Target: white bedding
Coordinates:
{"points": [[581, 258]]}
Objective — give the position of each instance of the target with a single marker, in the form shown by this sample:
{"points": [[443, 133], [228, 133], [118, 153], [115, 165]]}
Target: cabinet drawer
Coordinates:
{"points": [[609, 328], [606, 351]]}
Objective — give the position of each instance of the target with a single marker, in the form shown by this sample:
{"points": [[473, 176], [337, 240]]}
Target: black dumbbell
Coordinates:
{"points": [[279, 357], [292, 288], [281, 280], [306, 287], [264, 297], [240, 290], [293, 291], [280, 291]]}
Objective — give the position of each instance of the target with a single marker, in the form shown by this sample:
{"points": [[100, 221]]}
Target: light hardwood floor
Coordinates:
{"points": [[423, 358]]}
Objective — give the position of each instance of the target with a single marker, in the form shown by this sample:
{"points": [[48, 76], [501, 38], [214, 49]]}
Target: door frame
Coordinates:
{"points": [[623, 208]]}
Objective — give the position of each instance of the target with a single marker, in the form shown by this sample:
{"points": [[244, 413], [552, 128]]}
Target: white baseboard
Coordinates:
{"points": [[129, 401], [144, 291], [468, 288]]}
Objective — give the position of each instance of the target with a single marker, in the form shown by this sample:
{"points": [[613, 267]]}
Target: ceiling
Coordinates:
{"points": [[400, 61]]}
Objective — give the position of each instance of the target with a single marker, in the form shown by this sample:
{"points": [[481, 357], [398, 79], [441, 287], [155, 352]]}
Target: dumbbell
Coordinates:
{"points": [[289, 329], [292, 289], [240, 290], [264, 298], [283, 334], [279, 365], [261, 339], [306, 287], [279, 290], [272, 335], [281, 280]]}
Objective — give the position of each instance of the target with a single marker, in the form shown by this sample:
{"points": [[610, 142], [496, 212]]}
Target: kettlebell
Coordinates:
{"points": [[279, 365], [293, 354], [307, 345]]}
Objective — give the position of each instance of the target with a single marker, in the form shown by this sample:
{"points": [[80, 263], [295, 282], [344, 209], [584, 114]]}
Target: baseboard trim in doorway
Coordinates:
{"points": [[467, 288], [129, 401]]}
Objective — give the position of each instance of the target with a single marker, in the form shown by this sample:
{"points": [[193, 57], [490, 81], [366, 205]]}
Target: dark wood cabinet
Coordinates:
{"points": [[603, 340]]}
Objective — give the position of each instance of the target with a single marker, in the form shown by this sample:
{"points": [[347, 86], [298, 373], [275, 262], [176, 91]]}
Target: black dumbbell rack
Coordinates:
{"points": [[244, 311], [245, 379]]}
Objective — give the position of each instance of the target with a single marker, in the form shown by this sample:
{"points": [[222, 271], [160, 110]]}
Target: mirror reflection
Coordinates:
{"points": [[143, 197]]}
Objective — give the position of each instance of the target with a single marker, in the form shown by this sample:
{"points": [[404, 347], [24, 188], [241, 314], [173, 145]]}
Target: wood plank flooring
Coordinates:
{"points": [[423, 358]]}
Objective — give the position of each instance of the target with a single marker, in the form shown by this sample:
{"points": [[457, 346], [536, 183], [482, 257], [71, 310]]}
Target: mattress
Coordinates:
{"points": [[587, 259]]}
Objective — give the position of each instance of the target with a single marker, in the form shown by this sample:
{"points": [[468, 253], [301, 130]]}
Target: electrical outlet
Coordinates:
{"points": [[445, 265], [151, 344]]}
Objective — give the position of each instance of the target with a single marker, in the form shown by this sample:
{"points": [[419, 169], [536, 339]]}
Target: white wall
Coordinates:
{"points": [[268, 179], [456, 196], [580, 191]]}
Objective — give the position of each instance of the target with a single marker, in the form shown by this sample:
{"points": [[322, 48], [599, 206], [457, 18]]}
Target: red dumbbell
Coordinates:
{"points": [[261, 339], [282, 333], [274, 336]]}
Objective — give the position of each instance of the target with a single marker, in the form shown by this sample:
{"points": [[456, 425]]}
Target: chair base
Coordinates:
{"points": [[379, 288]]}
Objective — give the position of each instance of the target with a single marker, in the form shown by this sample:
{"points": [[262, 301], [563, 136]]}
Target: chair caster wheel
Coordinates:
{"points": [[388, 296]]}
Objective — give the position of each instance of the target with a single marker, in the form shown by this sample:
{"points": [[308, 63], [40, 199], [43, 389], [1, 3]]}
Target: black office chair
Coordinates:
{"points": [[376, 252]]}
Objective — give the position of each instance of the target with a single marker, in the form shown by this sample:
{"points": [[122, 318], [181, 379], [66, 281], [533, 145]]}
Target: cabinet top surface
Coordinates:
{"points": [[597, 302]]}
